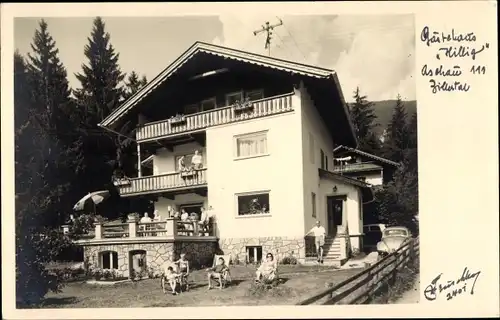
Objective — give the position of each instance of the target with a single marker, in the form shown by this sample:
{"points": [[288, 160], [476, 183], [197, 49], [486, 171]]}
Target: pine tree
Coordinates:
{"points": [[44, 161], [413, 131], [134, 84], [363, 118], [101, 92], [397, 133]]}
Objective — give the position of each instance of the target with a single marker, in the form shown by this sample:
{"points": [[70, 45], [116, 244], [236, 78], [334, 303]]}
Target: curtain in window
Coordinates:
{"points": [[251, 146]]}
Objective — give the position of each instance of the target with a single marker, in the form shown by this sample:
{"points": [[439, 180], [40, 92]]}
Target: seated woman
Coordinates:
{"points": [[172, 277], [267, 272], [217, 273]]}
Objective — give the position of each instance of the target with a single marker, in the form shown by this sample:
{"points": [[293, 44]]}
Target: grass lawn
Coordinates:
{"points": [[300, 283]]}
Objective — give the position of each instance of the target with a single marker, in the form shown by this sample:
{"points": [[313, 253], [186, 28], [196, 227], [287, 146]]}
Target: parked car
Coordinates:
{"points": [[372, 234], [392, 239]]}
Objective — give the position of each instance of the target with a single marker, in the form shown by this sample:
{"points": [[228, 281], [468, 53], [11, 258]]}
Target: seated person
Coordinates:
{"points": [[217, 273], [183, 264], [267, 271], [173, 278]]}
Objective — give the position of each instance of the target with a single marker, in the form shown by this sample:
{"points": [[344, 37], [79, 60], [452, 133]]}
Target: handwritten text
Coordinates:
{"points": [[451, 288]]}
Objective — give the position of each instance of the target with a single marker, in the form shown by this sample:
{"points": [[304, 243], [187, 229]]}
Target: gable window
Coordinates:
{"points": [[311, 148], [231, 98], [251, 145], [255, 95], [192, 108], [252, 204], [322, 159], [208, 104], [313, 200]]}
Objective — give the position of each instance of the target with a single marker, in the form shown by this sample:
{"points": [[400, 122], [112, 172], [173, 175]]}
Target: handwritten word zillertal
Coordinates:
{"points": [[451, 288]]}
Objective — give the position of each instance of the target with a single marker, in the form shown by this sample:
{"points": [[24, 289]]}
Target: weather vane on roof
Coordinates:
{"points": [[268, 28]]}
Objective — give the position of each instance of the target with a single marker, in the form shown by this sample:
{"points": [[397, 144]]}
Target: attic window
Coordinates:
{"points": [[231, 98], [208, 104], [192, 108], [255, 95]]}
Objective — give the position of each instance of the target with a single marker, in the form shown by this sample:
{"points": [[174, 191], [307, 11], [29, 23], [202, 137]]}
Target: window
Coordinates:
{"points": [[251, 204], [108, 260], [254, 254], [231, 98], [322, 159], [255, 95], [311, 147], [313, 200], [251, 145], [192, 108], [208, 104]]}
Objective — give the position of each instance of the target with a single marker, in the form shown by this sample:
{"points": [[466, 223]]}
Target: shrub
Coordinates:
{"points": [[289, 260]]}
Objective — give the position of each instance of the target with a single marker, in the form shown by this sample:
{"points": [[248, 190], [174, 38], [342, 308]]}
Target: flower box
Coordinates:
{"points": [[243, 105], [122, 182], [178, 119]]}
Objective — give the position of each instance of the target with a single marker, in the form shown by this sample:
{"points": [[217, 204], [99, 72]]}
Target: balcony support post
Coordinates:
{"points": [[139, 165], [171, 225]]}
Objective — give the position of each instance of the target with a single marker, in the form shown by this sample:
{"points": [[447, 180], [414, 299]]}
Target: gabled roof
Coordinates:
{"points": [[228, 53], [366, 154], [366, 188]]}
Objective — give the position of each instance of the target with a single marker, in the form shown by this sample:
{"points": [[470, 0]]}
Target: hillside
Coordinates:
{"points": [[383, 111]]}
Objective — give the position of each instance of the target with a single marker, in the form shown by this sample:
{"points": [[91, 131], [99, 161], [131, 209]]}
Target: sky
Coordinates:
{"points": [[374, 52]]}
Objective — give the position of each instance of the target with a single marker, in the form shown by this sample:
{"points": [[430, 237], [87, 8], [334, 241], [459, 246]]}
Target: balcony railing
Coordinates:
{"points": [[163, 182], [170, 228], [202, 120], [359, 166]]}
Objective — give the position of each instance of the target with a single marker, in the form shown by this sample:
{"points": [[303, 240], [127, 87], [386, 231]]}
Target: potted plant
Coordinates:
{"points": [[243, 105], [133, 216], [177, 119]]}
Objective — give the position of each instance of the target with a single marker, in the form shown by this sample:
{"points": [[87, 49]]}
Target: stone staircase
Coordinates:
{"points": [[333, 252]]}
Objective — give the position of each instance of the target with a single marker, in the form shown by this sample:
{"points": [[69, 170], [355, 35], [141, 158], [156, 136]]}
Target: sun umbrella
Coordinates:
{"points": [[96, 197]]}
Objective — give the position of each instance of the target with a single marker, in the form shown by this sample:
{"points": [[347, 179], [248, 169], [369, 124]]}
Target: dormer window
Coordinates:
{"points": [[231, 98], [255, 95], [192, 108], [208, 104]]}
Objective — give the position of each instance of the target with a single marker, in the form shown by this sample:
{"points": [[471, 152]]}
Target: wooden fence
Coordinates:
{"points": [[362, 287]]}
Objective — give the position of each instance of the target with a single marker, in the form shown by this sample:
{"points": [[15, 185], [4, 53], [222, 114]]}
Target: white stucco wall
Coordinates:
{"points": [[313, 127], [279, 172], [352, 210]]}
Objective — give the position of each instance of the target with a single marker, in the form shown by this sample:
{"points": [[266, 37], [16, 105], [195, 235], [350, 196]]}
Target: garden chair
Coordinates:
{"points": [[226, 275], [182, 281]]}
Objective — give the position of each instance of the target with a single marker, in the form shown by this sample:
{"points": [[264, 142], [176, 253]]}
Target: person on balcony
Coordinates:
{"points": [[144, 220], [203, 223], [182, 164], [157, 217], [197, 161]]}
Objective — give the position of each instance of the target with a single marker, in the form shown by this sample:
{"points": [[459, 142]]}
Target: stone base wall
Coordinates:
{"points": [[280, 247], [158, 254]]}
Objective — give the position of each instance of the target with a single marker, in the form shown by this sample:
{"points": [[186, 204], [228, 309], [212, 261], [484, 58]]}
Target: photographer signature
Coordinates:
{"points": [[452, 288]]}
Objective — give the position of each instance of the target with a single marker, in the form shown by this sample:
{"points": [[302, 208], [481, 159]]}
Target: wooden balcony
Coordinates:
{"points": [[176, 181], [202, 120], [356, 167]]}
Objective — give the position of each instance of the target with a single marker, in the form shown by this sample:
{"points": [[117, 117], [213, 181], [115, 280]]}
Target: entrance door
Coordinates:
{"points": [[334, 214], [138, 263]]}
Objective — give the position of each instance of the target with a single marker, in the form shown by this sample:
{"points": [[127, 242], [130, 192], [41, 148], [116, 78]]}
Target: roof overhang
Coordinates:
{"points": [[317, 77], [346, 149], [366, 188]]}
